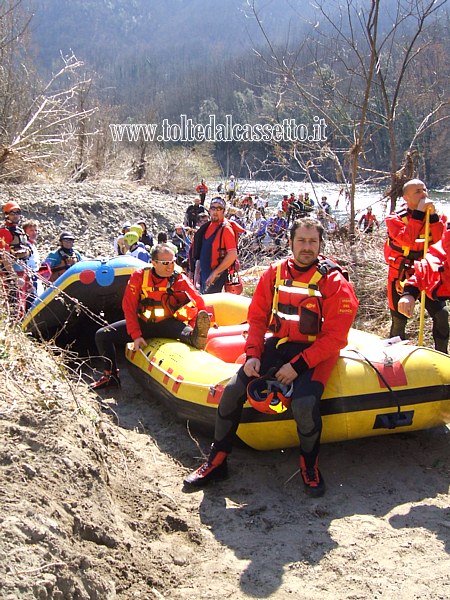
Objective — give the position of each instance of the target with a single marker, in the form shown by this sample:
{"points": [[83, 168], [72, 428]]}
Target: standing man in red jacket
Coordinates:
{"points": [[309, 306], [368, 220], [405, 244], [215, 248], [202, 190]]}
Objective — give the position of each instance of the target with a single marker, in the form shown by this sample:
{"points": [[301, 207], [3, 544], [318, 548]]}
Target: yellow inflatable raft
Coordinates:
{"points": [[375, 389]]}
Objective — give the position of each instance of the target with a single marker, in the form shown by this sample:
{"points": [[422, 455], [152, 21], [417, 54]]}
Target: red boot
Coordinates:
{"points": [[312, 478], [107, 380], [214, 469]]}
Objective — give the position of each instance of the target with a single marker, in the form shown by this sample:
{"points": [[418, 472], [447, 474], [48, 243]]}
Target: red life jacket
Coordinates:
{"points": [[159, 302], [401, 258], [297, 305]]}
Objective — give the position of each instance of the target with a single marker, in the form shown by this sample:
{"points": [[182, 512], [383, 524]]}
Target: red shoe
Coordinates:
{"points": [[107, 380], [214, 469], [312, 479]]}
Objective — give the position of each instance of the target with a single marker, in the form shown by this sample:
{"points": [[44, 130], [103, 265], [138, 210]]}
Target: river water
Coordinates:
{"points": [[365, 196]]}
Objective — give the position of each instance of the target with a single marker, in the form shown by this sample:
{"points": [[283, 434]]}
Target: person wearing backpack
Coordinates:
{"points": [[215, 248]]}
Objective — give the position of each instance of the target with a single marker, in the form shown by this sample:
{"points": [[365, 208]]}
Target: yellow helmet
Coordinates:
{"points": [[131, 237], [137, 228]]}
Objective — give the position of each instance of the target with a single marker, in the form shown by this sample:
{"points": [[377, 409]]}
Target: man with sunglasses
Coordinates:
{"points": [[159, 301], [14, 251], [215, 248]]}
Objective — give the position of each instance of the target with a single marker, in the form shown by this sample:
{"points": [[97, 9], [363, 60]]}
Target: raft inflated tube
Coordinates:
{"points": [[89, 288], [226, 308], [227, 330], [368, 390], [227, 348]]}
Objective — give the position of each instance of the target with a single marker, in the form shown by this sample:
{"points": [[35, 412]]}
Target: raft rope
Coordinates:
{"points": [[212, 386], [380, 375]]}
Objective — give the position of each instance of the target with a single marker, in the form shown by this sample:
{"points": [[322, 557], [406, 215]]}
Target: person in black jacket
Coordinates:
{"points": [[146, 236], [193, 212]]}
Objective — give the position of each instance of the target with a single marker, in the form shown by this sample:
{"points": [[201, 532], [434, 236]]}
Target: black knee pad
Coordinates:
{"points": [[306, 414], [398, 325]]}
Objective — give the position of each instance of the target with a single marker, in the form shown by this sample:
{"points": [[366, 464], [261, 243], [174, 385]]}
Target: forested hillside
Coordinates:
{"points": [[193, 32], [147, 53]]}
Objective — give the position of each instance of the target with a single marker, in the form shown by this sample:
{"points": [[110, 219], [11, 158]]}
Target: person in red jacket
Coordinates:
{"points": [[215, 248], [202, 190], [159, 301], [431, 274], [15, 250], [405, 244], [368, 220], [309, 306]]}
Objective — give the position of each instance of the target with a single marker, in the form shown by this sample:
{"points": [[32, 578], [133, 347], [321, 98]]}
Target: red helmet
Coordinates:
{"points": [[268, 395], [234, 288], [9, 206]]}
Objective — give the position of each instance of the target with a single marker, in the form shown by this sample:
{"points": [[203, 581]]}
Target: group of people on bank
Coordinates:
{"points": [[304, 301], [21, 268], [266, 229]]}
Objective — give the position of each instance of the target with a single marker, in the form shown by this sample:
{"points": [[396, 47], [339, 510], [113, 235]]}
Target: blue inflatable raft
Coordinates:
{"points": [[86, 296]]}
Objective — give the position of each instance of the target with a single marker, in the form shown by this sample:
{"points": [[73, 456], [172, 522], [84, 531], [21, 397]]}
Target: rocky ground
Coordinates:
{"points": [[95, 212], [91, 501]]}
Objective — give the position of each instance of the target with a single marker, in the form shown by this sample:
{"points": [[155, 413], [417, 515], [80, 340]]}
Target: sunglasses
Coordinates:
{"points": [[15, 212], [166, 263]]}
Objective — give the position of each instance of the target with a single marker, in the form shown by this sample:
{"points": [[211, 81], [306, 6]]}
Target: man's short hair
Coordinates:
{"points": [[412, 182], [159, 249], [309, 224]]}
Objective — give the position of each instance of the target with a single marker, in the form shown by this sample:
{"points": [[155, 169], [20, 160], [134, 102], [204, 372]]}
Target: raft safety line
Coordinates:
{"points": [[380, 375], [213, 385], [208, 386]]}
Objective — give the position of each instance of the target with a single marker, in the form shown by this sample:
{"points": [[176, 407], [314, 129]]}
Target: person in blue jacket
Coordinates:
{"points": [[135, 247], [63, 257]]}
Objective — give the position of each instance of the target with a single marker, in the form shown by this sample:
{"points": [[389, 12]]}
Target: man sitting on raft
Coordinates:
{"points": [[159, 301], [309, 306]]}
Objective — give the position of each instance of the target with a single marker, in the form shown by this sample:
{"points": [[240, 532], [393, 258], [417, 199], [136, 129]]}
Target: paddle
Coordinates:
{"points": [[423, 294]]}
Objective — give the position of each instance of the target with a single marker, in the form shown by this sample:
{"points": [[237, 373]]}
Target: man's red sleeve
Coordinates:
{"points": [[130, 303]]}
